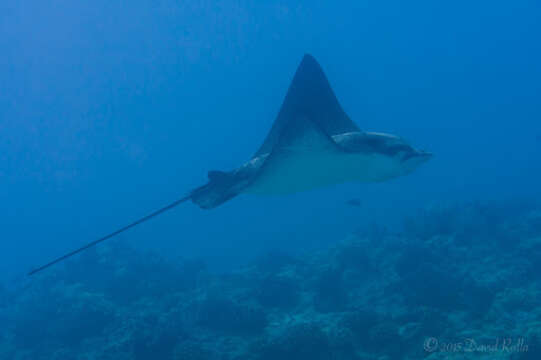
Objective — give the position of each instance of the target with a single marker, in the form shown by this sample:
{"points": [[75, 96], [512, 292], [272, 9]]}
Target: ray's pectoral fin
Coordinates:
{"points": [[290, 157], [304, 135], [217, 175], [309, 97], [295, 161]]}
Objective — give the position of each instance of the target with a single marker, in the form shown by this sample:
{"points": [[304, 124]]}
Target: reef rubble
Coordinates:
{"points": [[457, 282]]}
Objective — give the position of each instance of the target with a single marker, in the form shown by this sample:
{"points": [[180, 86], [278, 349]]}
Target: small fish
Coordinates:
{"points": [[354, 202]]}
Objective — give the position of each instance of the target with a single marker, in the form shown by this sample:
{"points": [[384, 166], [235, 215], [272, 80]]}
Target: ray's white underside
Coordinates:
{"points": [[296, 169]]}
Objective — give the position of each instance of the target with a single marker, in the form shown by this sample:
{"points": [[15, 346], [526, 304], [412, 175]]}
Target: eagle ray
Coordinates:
{"points": [[312, 143]]}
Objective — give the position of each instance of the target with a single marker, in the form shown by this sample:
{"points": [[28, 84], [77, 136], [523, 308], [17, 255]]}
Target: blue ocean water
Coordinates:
{"points": [[110, 110]]}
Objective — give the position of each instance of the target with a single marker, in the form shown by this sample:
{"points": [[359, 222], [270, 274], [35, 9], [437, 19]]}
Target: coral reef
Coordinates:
{"points": [[299, 341], [457, 282]]}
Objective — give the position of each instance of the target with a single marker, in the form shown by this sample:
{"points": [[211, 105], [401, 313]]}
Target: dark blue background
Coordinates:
{"points": [[109, 110]]}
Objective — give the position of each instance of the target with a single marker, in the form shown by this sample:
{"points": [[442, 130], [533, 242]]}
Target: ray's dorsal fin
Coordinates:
{"points": [[311, 97]]}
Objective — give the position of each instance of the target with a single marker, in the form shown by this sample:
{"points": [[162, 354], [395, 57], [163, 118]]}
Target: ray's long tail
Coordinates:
{"points": [[95, 242]]}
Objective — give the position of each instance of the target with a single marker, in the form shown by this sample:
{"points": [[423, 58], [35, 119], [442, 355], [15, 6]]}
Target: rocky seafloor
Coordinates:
{"points": [[457, 282]]}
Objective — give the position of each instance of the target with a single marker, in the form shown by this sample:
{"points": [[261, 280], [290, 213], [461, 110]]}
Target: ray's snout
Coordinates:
{"points": [[417, 155], [421, 156], [414, 159], [425, 155]]}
